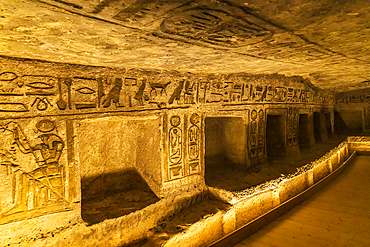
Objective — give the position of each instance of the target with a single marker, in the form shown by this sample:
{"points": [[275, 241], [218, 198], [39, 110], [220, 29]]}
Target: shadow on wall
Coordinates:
{"points": [[275, 136], [226, 145], [225, 140], [328, 124], [304, 134], [348, 122], [112, 195], [317, 126]]}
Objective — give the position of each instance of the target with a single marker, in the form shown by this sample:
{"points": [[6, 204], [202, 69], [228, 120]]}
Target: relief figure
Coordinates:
{"points": [[114, 93], [177, 92], [139, 96], [43, 185]]}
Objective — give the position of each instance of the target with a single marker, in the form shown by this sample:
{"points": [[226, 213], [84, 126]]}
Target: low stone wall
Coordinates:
{"points": [[252, 203], [360, 144]]}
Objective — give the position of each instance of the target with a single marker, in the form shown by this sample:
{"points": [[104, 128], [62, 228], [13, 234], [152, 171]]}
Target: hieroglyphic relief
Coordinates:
{"points": [[194, 144], [38, 94], [243, 93], [207, 22], [257, 133], [353, 98], [207, 25], [35, 175], [175, 143], [253, 135], [184, 146], [352, 139], [293, 121], [261, 133]]}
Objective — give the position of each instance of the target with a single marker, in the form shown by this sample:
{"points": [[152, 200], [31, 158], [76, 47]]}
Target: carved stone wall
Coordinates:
{"points": [[64, 123], [354, 109]]}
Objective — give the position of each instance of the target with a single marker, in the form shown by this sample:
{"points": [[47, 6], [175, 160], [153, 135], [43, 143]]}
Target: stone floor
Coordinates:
{"points": [[180, 222], [338, 215], [115, 199]]}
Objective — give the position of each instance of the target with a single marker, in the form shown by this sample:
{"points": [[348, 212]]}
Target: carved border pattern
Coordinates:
{"points": [[30, 95]]}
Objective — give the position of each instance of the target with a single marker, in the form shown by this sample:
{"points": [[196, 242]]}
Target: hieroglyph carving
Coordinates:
{"points": [[257, 133], [176, 169], [45, 94], [33, 171], [293, 121], [353, 98], [363, 139], [185, 145], [194, 144]]}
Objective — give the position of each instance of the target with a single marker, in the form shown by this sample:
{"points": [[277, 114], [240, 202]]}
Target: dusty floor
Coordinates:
{"points": [[235, 179], [337, 215], [115, 198], [180, 222], [111, 206]]}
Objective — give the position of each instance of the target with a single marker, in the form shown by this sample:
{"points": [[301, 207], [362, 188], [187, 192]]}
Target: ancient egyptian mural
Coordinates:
{"points": [[67, 92], [206, 23], [36, 174], [41, 104], [184, 145]]}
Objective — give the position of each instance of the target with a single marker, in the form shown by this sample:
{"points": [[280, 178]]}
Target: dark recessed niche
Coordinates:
{"points": [[226, 146], [317, 126], [328, 124], [275, 135], [303, 134], [113, 195]]}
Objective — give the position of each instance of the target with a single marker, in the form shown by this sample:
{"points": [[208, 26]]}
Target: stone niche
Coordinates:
{"points": [[353, 111], [81, 144], [120, 165]]}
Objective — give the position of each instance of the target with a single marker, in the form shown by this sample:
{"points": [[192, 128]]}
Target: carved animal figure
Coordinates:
{"points": [[114, 93], [155, 85], [140, 93], [177, 92]]}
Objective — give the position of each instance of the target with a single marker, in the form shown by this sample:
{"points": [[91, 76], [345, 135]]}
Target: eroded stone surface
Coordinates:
{"points": [[323, 40]]}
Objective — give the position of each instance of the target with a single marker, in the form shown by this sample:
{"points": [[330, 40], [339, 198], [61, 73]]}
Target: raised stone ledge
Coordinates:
{"points": [[254, 202]]}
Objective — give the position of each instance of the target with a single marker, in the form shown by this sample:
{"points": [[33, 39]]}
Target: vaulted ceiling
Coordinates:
{"points": [[325, 40]]}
